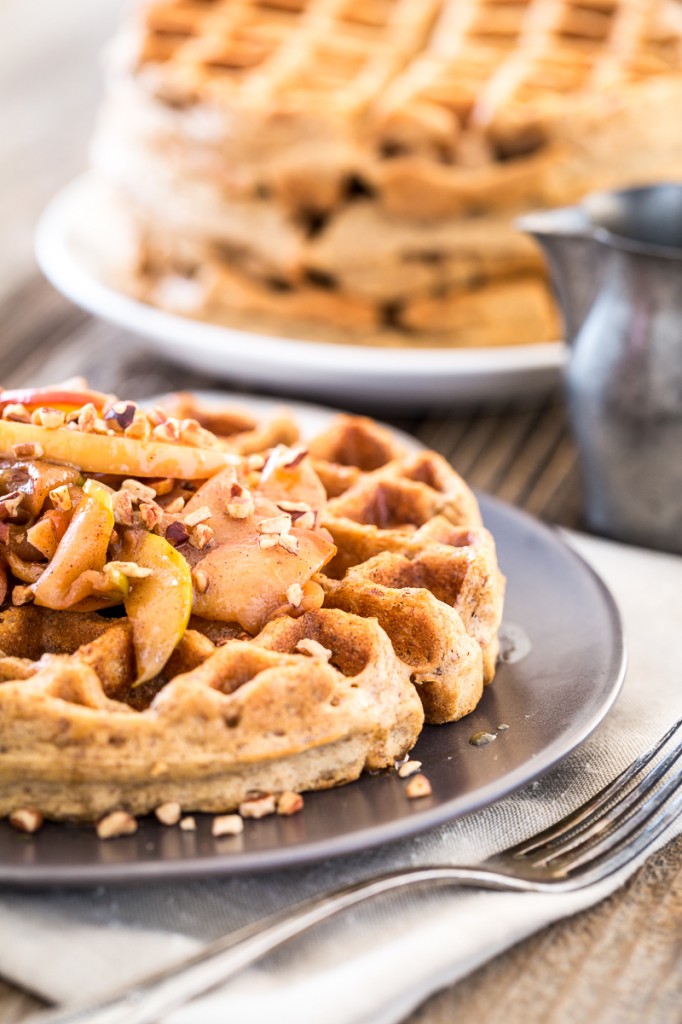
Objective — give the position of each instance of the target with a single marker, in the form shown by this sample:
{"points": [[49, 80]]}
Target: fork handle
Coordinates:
{"points": [[164, 991]]}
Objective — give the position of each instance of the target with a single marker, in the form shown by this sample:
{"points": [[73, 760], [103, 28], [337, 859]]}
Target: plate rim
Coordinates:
{"points": [[257, 861], [72, 278]]}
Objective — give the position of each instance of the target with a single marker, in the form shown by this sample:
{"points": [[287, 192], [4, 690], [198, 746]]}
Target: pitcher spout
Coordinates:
{"points": [[566, 237]]}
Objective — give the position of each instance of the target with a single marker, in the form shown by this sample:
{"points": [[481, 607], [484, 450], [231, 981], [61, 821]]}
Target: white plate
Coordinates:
{"points": [[350, 375]]}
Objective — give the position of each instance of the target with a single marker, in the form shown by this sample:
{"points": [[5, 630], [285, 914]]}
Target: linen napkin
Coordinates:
{"points": [[378, 962]]}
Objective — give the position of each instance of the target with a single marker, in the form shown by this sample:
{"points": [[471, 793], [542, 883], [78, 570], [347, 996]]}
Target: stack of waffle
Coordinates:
{"points": [[349, 170]]}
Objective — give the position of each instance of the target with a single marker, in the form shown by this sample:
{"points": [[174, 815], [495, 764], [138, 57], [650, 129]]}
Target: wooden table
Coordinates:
{"points": [[619, 963]]}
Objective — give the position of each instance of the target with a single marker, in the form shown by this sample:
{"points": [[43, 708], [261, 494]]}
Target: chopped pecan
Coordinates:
{"points": [[138, 491], [26, 819], [267, 541], [200, 515], [117, 823], [201, 536], [17, 412], [192, 433], [417, 787], [241, 504], [258, 807], [157, 416], [227, 825], [175, 506], [409, 768], [169, 813], [288, 542], [289, 803], [87, 418], [150, 514], [139, 429], [169, 430], [313, 648], [123, 508], [275, 524], [49, 418]]}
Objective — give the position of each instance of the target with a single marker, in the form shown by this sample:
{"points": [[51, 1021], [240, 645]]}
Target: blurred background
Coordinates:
{"points": [[50, 84]]}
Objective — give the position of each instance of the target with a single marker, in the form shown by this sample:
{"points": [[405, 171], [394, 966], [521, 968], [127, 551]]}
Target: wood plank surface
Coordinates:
{"points": [[618, 963]]}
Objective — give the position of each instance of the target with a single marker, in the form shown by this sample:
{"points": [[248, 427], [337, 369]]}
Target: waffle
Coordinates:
{"points": [[351, 447], [349, 170], [386, 508], [413, 553], [324, 631], [246, 720]]}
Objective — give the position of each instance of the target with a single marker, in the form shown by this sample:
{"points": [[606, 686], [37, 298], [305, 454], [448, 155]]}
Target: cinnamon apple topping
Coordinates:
{"points": [[105, 505]]}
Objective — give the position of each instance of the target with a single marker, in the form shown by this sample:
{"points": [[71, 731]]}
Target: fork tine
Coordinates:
{"points": [[594, 808], [630, 835], [618, 812]]}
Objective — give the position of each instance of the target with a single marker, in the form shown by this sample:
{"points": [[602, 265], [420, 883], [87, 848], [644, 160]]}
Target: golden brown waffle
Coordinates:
{"points": [[349, 170], [386, 509], [245, 720], [302, 663], [412, 553], [241, 432], [352, 445]]}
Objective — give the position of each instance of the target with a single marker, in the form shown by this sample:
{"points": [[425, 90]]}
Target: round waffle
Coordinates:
{"points": [[321, 636]]}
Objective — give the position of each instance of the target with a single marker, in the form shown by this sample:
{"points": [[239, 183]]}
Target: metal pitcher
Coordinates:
{"points": [[616, 264]]}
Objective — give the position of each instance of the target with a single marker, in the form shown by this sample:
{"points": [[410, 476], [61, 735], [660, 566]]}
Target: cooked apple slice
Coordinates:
{"points": [[92, 591], [35, 479], [124, 456], [83, 547], [245, 582], [158, 606], [298, 482]]}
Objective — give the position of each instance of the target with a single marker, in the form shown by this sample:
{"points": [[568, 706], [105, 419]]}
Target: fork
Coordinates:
{"points": [[587, 846]]}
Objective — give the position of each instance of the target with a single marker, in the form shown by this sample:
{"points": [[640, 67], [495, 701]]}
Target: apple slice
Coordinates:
{"points": [[83, 547], [158, 606], [92, 591], [247, 582], [124, 456]]}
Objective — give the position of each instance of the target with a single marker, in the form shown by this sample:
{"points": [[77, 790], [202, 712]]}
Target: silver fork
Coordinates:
{"points": [[585, 847]]}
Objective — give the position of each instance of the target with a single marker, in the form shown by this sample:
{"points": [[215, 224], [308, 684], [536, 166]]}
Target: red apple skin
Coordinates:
{"points": [[54, 398]]}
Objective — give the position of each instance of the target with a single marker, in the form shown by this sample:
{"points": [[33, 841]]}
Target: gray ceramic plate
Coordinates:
{"points": [[551, 699]]}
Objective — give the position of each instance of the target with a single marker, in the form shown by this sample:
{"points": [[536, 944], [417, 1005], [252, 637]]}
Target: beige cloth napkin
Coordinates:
{"points": [[379, 962]]}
